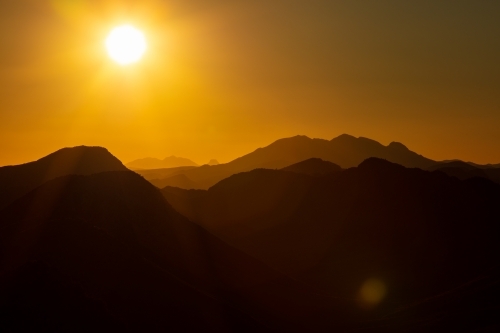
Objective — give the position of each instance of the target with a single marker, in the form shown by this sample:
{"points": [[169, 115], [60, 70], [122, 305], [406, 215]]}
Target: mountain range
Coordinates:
{"points": [[419, 234], [258, 209], [309, 237], [344, 150]]}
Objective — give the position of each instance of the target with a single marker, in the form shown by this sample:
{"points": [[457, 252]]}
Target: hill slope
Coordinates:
{"points": [[463, 170], [417, 234], [107, 252], [314, 167], [17, 180]]}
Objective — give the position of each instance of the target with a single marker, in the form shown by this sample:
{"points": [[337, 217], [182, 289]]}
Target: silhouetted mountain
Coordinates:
{"points": [[345, 151], [239, 204], [107, 253], [423, 233], [314, 167], [493, 174], [485, 166], [378, 229], [17, 180], [464, 170], [154, 163], [453, 164], [162, 173], [213, 162], [181, 181]]}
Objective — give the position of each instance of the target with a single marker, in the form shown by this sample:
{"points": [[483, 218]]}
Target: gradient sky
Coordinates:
{"points": [[223, 77]]}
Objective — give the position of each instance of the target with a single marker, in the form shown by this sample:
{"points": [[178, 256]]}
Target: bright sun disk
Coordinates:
{"points": [[126, 44]]}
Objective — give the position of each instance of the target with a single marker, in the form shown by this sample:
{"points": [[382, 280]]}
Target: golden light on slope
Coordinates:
{"points": [[126, 44]]}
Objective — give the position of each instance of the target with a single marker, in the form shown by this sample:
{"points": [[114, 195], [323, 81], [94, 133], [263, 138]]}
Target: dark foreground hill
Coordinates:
{"points": [[106, 253], [386, 235], [345, 151], [17, 180]]}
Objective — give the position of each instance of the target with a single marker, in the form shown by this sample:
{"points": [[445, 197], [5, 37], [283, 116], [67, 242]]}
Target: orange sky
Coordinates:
{"points": [[223, 77]]}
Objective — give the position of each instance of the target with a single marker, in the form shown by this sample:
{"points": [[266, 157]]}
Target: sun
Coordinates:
{"points": [[126, 44]]}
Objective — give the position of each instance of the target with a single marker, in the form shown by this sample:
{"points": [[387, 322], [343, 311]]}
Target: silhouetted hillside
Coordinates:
{"points": [[314, 167], [181, 181], [463, 170], [17, 180], [154, 163], [410, 233], [453, 164], [423, 233], [345, 151], [160, 174], [485, 166], [107, 253], [240, 203]]}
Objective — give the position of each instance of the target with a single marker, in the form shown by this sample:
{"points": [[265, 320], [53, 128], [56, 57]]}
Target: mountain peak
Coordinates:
{"points": [[375, 163], [397, 146], [81, 160], [344, 137], [77, 150], [314, 167], [294, 138]]}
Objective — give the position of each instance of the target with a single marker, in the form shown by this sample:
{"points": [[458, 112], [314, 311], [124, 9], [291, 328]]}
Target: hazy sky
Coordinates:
{"points": [[223, 77]]}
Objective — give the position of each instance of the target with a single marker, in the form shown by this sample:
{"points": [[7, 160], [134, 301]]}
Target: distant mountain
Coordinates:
{"points": [[453, 164], [213, 162], [485, 166], [154, 163], [19, 179], [106, 252], [181, 181], [314, 167], [417, 234], [464, 170], [345, 151], [156, 174]]}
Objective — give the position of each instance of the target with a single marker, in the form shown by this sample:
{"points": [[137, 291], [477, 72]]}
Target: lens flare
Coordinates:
{"points": [[372, 292]]}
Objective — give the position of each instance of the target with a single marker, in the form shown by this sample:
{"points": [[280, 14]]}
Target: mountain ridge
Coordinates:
{"points": [[366, 205], [16, 180], [345, 150]]}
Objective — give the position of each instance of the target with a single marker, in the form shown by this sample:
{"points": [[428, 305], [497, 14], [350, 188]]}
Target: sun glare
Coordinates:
{"points": [[126, 44]]}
